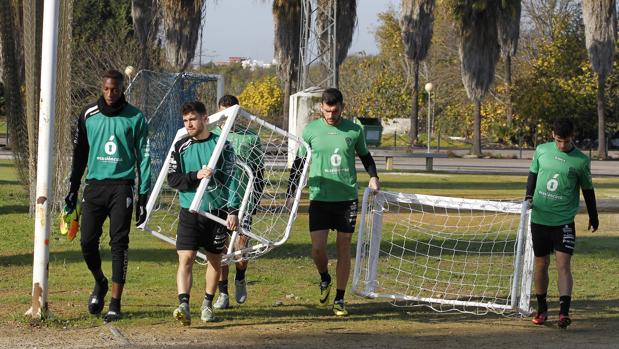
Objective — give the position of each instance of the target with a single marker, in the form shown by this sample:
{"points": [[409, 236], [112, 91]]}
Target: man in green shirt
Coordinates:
{"points": [[188, 166], [248, 149], [111, 141], [557, 172], [334, 142]]}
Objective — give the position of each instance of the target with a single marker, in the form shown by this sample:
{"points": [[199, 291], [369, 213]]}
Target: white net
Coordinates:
{"points": [[449, 254], [261, 182]]}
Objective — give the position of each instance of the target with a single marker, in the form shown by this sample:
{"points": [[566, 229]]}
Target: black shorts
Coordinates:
{"points": [[547, 239], [337, 215], [195, 231]]}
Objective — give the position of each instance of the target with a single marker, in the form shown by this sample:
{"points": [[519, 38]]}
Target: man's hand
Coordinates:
{"points": [[374, 183], [70, 202], [205, 172], [140, 210], [594, 223], [289, 203], [529, 199], [232, 222]]}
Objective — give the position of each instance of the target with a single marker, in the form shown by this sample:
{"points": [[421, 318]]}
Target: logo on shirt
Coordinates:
{"points": [[336, 159], [349, 141], [110, 146], [553, 183]]}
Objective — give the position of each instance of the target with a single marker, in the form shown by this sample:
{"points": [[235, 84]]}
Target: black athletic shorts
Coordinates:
{"points": [[547, 239], [195, 231], [337, 215]]}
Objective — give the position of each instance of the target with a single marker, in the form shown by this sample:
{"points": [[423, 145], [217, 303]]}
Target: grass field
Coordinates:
{"points": [[281, 310]]}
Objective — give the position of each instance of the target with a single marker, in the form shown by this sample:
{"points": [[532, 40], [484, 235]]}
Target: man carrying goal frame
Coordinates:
{"points": [[557, 172], [334, 142]]}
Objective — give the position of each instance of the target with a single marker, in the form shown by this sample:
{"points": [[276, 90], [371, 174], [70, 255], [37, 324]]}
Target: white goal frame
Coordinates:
{"points": [[369, 240]]}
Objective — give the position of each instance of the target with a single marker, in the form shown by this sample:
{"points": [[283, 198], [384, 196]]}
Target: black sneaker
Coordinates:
{"points": [[96, 301], [111, 316]]}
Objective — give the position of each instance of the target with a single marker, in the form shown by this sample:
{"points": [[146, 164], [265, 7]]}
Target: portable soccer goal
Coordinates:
{"points": [[266, 219], [449, 254]]}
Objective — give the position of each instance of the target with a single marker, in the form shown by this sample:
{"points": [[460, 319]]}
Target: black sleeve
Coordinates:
{"points": [[531, 181], [80, 153], [176, 178], [592, 210], [295, 174], [369, 164]]}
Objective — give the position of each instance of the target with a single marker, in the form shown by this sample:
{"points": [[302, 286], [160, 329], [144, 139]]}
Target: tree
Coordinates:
{"points": [[145, 15], [262, 97], [416, 24], [508, 26], [181, 24], [346, 20], [479, 53], [287, 21], [600, 21]]}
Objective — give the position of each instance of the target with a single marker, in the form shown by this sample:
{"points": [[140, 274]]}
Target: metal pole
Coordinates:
{"points": [[44, 159], [428, 123]]}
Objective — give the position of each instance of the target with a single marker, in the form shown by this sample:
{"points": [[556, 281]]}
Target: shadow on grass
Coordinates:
{"points": [[8, 209]]}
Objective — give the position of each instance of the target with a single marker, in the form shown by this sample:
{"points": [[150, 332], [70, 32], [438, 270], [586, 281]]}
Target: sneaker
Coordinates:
{"points": [[240, 291], [540, 318], [564, 321], [206, 313], [325, 289], [111, 316], [222, 302], [339, 309], [183, 314], [96, 301]]}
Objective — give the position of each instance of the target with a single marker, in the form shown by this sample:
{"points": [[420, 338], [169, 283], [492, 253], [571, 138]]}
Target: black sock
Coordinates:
{"points": [[325, 277], [339, 295], [223, 286], [209, 299], [542, 305], [240, 274], [183, 298], [564, 303], [115, 305], [101, 286]]}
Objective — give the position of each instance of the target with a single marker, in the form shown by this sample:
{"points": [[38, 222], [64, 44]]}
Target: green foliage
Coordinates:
{"points": [[94, 19], [263, 97], [235, 77]]}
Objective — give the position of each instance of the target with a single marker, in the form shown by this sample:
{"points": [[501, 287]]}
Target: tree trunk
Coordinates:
{"points": [[602, 154], [285, 111], [413, 133], [508, 89], [477, 129]]}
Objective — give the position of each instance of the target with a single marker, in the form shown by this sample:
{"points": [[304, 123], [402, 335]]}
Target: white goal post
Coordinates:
{"points": [[266, 209], [449, 254]]}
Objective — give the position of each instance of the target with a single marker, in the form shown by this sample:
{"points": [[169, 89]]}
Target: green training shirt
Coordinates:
{"points": [[560, 176], [188, 157], [333, 176]]}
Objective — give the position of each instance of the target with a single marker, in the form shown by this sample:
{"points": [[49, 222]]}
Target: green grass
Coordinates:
{"points": [[3, 124], [282, 284]]}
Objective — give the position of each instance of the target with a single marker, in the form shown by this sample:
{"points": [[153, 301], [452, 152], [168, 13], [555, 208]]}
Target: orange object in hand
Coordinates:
{"points": [[70, 223]]}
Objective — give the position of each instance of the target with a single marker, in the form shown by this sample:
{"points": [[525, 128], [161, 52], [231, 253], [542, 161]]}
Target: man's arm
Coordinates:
{"points": [[531, 182], [228, 169], [142, 152], [594, 222], [370, 166], [79, 162], [176, 178], [295, 175]]}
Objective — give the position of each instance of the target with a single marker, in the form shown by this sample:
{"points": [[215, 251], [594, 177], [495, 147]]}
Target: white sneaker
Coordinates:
{"points": [[223, 302], [206, 313], [183, 314], [240, 291]]}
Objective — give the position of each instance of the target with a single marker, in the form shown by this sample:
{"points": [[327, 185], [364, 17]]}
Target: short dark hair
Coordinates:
{"points": [[114, 75], [563, 127], [195, 106], [332, 96], [227, 101]]}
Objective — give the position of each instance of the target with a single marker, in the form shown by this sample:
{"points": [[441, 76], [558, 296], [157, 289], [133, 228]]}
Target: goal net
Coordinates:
{"points": [[260, 184], [449, 254]]}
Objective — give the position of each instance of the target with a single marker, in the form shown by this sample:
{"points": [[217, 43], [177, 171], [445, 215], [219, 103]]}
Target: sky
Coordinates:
{"points": [[245, 28]]}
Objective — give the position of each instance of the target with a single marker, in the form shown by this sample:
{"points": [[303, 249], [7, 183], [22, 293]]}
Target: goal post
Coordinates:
{"points": [[449, 254], [263, 184]]}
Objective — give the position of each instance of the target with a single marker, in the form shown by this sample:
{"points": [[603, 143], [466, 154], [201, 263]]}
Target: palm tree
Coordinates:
{"points": [[417, 25], [508, 25], [600, 34], [287, 22], [145, 15], [479, 53], [346, 20], [181, 24]]}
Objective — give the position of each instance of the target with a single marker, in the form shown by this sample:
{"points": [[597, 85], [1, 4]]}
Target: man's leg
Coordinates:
{"points": [[212, 277], [184, 280], [342, 244], [565, 282], [240, 285], [321, 260], [541, 288], [223, 301]]}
